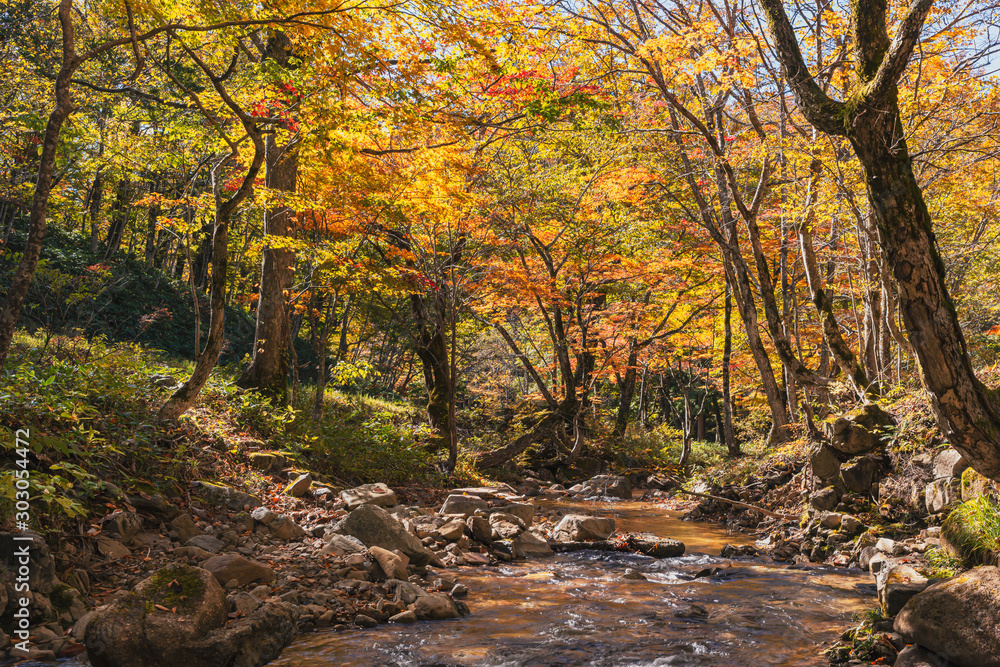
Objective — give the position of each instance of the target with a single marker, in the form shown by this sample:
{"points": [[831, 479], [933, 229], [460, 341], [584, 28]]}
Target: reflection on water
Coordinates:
{"points": [[577, 609]]}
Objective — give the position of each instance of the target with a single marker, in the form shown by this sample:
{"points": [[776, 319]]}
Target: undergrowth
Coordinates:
{"points": [[90, 406], [973, 528]]}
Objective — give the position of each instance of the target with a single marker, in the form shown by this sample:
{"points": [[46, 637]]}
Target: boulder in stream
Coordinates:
{"points": [[958, 619], [177, 617], [529, 544], [657, 547], [614, 486], [896, 585], [459, 504], [578, 527], [377, 528]]}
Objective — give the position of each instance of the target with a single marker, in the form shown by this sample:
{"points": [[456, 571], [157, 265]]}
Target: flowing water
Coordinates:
{"points": [[577, 609]]}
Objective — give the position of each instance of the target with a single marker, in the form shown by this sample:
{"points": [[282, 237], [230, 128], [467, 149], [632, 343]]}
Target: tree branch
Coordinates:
{"points": [[822, 111], [894, 62]]}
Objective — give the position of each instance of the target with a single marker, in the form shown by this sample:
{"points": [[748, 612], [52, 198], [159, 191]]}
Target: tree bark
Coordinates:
{"points": [[627, 391], [728, 433], [432, 350], [268, 369]]}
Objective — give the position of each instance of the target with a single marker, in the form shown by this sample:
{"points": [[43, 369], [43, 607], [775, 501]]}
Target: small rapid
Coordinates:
{"points": [[579, 609]]}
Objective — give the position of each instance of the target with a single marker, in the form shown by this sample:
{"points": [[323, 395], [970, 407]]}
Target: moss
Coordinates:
{"points": [[61, 598], [174, 586]]}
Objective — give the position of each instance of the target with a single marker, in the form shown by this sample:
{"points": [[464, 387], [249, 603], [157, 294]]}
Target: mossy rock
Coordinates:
{"points": [[155, 624]]}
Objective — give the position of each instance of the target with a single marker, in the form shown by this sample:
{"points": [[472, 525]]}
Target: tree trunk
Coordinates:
{"points": [[432, 350], [748, 312], [268, 370], [728, 433], [96, 199], [153, 216], [627, 392], [21, 279], [119, 218], [185, 395], [967, 410]]}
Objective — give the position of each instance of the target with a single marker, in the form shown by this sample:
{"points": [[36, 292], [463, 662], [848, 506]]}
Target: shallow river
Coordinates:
{"points": [[577, 609]]}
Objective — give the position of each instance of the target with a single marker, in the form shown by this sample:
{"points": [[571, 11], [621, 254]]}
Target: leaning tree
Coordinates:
{"points": [[967, 410]]}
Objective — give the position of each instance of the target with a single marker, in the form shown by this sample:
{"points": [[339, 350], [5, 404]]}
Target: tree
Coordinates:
{"points": [[268, 369], [967, 410]]}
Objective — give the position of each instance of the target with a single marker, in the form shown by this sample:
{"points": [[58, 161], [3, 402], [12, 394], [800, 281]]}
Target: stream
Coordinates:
{"points": [[578, 609]]}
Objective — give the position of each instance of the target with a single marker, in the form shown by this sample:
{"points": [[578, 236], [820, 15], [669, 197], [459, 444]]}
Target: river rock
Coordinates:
{"points": [[192, 552], [284, 527], [342, 545], [377, 528], [859, 476], [825, 499], [42, 566], [123, 525], [251, 641], [155, 504], [865, 556], [657, 547], [850, 525], [661, 483], [183, 524], [369, 494], [408, 616], [480, 528], [825, 464], [207, 542], [507, 526], [577, 527], [228, 497], [530, 545], [896, 585], [299, 486], [523, 511], [942, 494], [453, 530], [245, 603], [860, 432], [393, 563], [917, 656], [435, 608], [113, 549], [460, 504], [949, 463], [615, 486], [140, 630], [405, 593], [227, 567], [958, 618]]}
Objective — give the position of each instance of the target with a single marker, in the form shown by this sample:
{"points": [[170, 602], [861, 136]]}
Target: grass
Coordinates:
{"points": [[941, 564], [973, 528], [90, 408]]}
